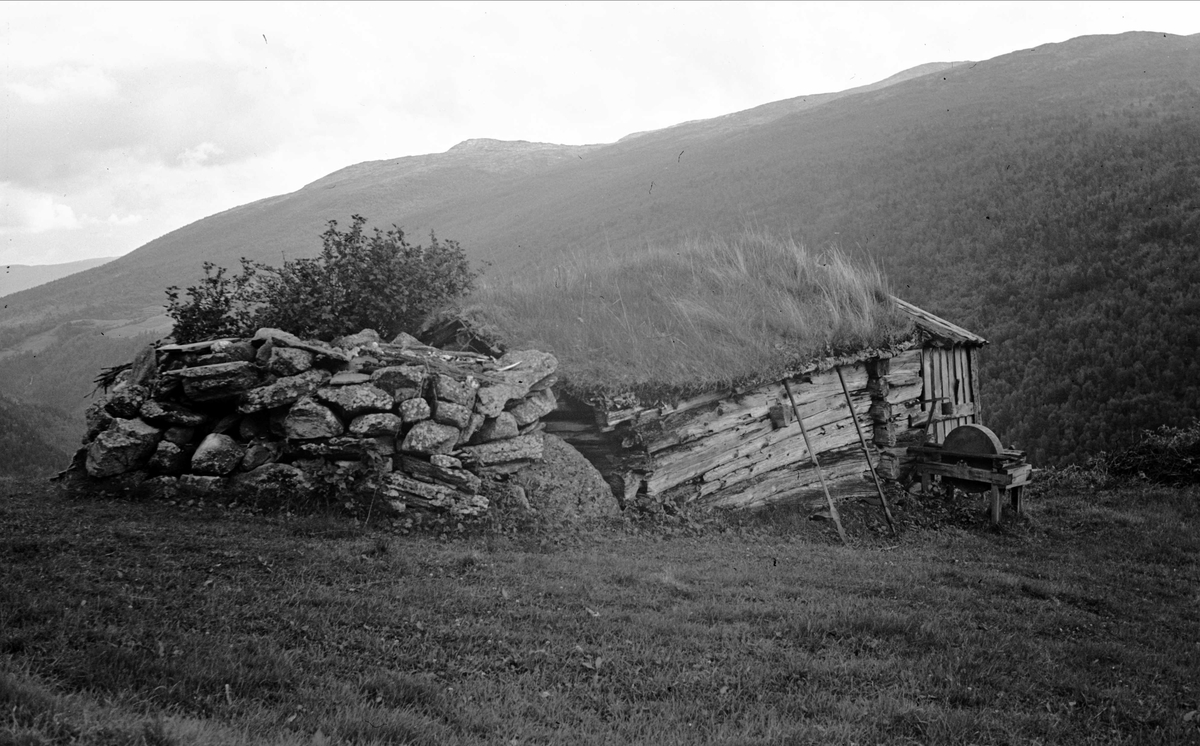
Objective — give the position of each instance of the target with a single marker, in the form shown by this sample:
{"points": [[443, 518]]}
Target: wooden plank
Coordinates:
{"points": [[778, 456], [969, 473], [682, 463], [947, 389], [905, 365], [961, 411], [843, 474], [973, 362]]}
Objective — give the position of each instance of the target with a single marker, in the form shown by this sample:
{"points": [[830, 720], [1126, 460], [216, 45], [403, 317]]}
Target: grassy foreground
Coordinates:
{"points": [[141, 622]]}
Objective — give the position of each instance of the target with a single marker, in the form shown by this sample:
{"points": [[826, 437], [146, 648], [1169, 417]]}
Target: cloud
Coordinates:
{"points": [[28, 212]]}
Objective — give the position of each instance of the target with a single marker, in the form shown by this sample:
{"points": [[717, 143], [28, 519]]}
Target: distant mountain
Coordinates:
{"points": [[1044, 198], [16, 277]]}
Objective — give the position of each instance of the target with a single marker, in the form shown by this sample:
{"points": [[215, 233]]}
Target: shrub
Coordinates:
{"points": [[361, 279], [1168, 455]]}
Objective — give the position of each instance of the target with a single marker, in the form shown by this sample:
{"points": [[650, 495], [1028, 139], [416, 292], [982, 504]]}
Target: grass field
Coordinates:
{"points": [[128, 621]]}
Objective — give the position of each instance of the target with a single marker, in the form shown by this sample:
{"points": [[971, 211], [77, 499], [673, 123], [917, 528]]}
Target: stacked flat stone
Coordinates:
{"points": [[276, 410]]}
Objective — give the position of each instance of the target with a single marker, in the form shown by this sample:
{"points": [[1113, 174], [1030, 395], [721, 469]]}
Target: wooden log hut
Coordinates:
{"points": [[697, 375], [744, 448]]}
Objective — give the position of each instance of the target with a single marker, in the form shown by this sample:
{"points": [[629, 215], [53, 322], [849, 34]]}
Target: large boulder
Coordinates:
{"points": [[564, 486], [217, 455], [309, 419], [449, 413], [124, 446]]}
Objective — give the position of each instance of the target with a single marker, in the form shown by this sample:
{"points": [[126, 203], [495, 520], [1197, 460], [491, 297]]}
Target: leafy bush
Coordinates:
{"points": [[361, 279], [1168, 455]]}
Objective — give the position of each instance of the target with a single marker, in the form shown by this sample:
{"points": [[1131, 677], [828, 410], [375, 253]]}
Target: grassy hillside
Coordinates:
{"points": [[143, 622], [1044, 199], [17, 277], [35, 440]]}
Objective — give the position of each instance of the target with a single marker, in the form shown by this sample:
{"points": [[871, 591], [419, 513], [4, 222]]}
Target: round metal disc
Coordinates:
{"points": [[972, 439]]}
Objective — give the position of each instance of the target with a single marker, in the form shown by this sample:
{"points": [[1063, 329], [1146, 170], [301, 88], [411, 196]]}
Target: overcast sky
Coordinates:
{"points": [[122, 122]]}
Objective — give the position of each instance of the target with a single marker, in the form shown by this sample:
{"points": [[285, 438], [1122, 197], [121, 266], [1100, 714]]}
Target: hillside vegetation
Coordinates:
{"points": [[1045, 199]]}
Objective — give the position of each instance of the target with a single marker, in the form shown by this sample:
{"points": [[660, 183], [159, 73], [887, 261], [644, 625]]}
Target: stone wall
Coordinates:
{"points": [[423, 426]]}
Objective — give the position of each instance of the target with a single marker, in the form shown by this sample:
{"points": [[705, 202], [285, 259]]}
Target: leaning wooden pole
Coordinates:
{"points": [[833, 511], [887, 509]]}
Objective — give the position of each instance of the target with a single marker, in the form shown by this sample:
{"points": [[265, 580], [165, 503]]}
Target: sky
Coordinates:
{"points": [[122, 122]]}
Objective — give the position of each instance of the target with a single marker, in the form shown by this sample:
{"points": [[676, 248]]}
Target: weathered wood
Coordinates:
{"points": [[977, 397], [754, 441], [842, 470], [958, 412], [780, 455], [812, 455], [736, 411], [1014, 477]]}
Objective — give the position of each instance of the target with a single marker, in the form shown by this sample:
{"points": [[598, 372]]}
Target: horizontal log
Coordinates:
{"points": [[682, 463], [821, 393], [1013, 478], [844, 475], [778, 457]]}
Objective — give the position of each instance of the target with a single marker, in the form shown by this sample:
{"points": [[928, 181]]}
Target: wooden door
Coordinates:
{"points": [[951, 388]]}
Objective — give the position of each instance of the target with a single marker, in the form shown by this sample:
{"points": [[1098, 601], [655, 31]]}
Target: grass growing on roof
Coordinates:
{"points": [[712, 314]]}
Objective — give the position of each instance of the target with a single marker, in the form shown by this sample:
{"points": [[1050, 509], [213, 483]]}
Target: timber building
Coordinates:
{"points": [[744, 448]]}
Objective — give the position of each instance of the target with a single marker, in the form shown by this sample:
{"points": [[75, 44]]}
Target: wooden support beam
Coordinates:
{"points": [[833, 511]]}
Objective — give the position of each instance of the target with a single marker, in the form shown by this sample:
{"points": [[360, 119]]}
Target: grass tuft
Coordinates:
{"points": [[710, 314]]}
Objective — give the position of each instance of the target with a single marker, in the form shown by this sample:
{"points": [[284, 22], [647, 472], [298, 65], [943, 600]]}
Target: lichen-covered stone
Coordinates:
{"points": [[285, 339], [97, 418], [477, 420], [449, 413], [144, 368], [220, 381], [228, 351], [361, 339], [356, 399], [125, 401], [377, 423], [345, 378], [499, 451], [533, 407], [287, 361], [309, 419], [430, 437], [261, 452], [217, 455], [500, 427], [414, 410], [126, 444], [395, 378], [284, 391], [525, 369], [170, 414], [448, 388]]}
